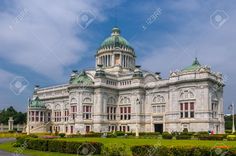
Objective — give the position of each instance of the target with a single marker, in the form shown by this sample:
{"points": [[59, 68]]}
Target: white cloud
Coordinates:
{"points": [[45, 36]]}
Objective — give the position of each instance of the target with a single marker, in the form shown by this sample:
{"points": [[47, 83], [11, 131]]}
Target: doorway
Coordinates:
{"points": [[87, 129], [158, 128]]}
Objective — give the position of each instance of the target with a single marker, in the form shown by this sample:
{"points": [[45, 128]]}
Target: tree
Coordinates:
{"points": [[19, 117]]}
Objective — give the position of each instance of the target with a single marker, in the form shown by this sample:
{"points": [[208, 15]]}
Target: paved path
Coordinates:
{"points": [[3, 153]]}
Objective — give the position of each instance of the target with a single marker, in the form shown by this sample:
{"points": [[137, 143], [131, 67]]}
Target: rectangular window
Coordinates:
{"points": [[87, 114], [185, 106], [111, 113], [181, 106], [125, 113], [187, 110]]}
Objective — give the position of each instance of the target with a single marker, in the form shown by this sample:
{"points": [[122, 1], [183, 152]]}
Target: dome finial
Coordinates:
{"points": [[196, 62], [115, 31]]}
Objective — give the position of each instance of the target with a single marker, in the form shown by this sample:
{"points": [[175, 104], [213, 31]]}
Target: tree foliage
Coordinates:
{"points": [[18, 117], [228, 122]]}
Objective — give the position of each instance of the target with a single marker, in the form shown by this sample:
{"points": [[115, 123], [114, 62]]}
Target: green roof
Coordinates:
{"points": [[195, 66], [82, 78], [115, 40], [37, 103]]}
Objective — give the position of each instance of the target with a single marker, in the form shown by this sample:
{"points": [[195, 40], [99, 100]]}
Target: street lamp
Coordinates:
{"points": [[231, 107], [137, 103]]}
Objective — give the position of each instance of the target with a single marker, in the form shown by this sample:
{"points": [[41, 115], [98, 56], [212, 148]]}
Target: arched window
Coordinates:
{"points": [[125, 100], [87, 108], [111, 109], [187, 103], [158, 104]]}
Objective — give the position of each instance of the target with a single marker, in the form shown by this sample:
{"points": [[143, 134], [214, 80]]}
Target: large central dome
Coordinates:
{"points": [[115, 53], [115, 40]]}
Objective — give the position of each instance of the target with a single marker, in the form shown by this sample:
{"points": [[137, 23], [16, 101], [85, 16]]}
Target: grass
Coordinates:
{"points": [[10, 135], [128, 142]]}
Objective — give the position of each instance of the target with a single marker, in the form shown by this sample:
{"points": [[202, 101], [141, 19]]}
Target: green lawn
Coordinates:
{"points": [[128, 142]]}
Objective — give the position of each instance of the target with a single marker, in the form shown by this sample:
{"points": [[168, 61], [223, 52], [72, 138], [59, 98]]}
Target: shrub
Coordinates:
{"points": [[231, 137], [183, 137], [166, 135], [92, 134], [212, 137], [61, 145], [37, 144], [111, 135], [119, 133], [228, 131], [62, 135], [149, 134], [114, 150], [33, 135], [56, 146], [178, 151], [73, 136]]}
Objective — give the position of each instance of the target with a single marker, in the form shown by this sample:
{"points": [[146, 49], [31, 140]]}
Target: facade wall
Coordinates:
{"points": [[150, 107]]}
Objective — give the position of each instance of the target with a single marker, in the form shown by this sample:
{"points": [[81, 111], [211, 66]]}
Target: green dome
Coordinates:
{"points": [[115, 40], [37, 103], [195, 66]]}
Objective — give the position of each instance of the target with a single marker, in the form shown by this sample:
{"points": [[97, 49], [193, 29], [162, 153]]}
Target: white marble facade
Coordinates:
{"points": [[117, 95]]}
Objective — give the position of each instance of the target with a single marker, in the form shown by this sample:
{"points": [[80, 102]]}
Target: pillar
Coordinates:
{"points": [[10, 124]]}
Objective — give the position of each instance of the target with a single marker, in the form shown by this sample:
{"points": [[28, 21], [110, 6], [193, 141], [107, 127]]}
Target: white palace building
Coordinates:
{"points": [[119, 95]]}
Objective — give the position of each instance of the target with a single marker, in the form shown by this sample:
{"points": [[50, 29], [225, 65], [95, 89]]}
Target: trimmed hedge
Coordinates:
{"points": [[143, 150], [219, 137], [231, 137], [167, 135], [61, 145]]}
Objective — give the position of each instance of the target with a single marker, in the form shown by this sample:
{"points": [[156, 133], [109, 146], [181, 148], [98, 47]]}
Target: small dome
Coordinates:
{"points": [[195, 66], [36, 103], [115, 40], [81, 78]]}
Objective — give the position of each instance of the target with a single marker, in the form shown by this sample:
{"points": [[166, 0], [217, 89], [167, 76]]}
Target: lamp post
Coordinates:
{"points": [[233, 127], [231, 107], [137, 103]]}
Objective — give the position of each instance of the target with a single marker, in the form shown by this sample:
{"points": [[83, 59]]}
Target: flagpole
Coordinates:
{"points": [[233, 127]]}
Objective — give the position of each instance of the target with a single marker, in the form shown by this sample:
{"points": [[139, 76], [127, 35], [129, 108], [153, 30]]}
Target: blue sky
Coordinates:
{"points": [[43, 41]]}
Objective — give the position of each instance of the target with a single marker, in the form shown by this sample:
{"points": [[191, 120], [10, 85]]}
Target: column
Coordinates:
{"points": [[43, 116], [39, 116], [10, 123]]}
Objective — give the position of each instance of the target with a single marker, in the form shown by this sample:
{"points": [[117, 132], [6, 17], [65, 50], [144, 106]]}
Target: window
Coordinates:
{"points": [[57, 115], [37, 116], [66, 114], [125, 128], [32, 114], [159, 108], [111, 113], [87, 112], [125, 113], [214, 107], [49, 117], [73, 112], [41, 116], [187, 110]]}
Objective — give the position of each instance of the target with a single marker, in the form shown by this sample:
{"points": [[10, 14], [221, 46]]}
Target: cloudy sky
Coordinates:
{"points": [[41, 42]]}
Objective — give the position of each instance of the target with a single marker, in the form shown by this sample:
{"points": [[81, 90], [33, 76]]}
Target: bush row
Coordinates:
{"points": [[82, 148], [181, 151]]}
